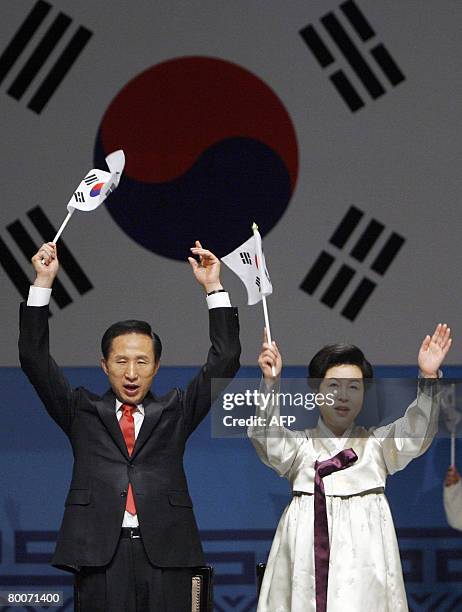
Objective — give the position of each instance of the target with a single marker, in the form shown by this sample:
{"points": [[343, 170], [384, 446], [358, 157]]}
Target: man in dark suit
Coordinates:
{"points": [[128, 531]]}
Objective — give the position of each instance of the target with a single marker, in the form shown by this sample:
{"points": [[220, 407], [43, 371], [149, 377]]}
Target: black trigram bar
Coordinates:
{"points": [[317, 272], [352, 55], [90, 179], [365, 32], [317, 47], [347, 91], [358, 20], [79, 197], [13, 270], [19, 41], [367, 240], [388, 65], [60, 69], [246, 259], [337, 286], [358, 299], [68, 262], [388, 253], [28, 249], [325, 58], [39, 56], [347, 226]]}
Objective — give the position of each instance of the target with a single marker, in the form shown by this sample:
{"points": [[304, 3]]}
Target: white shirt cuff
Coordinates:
{"points": [[38, 296], [218, 300]]}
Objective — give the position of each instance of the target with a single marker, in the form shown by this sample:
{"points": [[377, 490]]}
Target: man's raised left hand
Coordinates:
{"points": [[207, 269]]}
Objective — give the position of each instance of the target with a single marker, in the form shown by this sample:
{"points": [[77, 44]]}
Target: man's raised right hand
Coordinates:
{"points": [[46, 265]]}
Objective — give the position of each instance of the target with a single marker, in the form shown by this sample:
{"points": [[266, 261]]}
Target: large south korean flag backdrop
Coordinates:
{"points": [[334, 126]]}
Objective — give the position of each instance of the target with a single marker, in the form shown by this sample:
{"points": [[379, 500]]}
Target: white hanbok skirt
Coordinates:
{"points": [[365, 572]]}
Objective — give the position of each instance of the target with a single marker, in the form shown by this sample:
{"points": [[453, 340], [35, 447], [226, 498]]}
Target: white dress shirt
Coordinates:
{"points": [[40, 296]]}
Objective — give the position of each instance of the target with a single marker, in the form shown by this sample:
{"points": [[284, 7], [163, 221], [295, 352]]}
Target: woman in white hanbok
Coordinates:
{"points": [[363, 569]]}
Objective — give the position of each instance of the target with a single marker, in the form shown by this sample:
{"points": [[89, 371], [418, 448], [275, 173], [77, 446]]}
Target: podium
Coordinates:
{"points": [[202, 589]]}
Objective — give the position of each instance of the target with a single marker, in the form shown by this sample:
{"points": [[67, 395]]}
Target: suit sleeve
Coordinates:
{"points": [[222, 363], [40, 368]]}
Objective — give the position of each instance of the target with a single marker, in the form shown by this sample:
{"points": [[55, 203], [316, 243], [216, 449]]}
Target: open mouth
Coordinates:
{"points": [[131, 389]]}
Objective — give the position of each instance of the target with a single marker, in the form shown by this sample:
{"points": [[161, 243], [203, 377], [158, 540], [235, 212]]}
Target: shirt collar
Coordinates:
{"points": [[140, 407]]}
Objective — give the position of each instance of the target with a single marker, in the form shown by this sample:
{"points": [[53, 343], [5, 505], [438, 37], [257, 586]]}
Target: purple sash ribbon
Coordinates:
{"points": [[342, 460]]}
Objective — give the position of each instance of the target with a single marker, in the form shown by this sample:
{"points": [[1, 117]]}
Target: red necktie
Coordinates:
{"points": [[127, 425]]}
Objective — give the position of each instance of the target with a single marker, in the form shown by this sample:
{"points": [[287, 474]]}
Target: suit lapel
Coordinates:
{"points": [[152, 411], [107, 413]]}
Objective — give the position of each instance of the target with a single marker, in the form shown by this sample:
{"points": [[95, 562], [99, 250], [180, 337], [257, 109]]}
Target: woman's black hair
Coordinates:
{"points": [[338, 354]]}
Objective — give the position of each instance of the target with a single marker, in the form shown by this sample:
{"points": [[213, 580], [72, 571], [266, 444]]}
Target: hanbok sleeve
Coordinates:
{"points": [[276, 445], [452, 497], [411, 435]]}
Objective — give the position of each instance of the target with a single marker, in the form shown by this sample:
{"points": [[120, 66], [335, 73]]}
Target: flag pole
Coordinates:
{"points": [[268, 330], [61, 229], [63, 225], [453, 449], [265, 309]]}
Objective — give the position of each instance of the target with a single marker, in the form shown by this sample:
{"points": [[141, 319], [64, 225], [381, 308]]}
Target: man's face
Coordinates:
{"points": [[131, 367]]}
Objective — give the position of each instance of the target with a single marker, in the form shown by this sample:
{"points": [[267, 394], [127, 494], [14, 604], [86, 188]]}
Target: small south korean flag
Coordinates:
{"points": [[98, 184], [248, 262]]}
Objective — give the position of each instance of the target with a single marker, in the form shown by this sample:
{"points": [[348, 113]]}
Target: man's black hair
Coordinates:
{"points": [[131, 326]]}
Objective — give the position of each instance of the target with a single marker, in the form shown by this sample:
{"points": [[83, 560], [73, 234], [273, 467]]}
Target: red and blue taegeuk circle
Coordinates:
{"points": [[96, 189], [210, 148]]}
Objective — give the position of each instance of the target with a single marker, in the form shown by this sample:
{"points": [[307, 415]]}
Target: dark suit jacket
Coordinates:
{"points": [[95, 503]]}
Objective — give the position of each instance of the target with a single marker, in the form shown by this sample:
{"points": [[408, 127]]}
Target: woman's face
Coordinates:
{"points": [[346, 383]]}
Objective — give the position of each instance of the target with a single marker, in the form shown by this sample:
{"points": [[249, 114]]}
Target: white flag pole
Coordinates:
{"points": [[453, 449], [61, 229], [265, 308], [63, 225], [267, 325]]}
